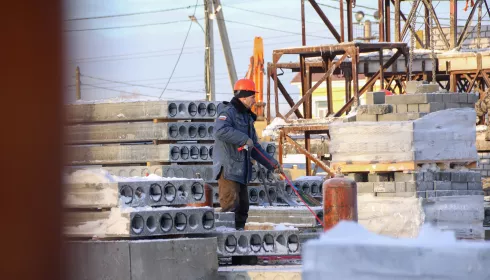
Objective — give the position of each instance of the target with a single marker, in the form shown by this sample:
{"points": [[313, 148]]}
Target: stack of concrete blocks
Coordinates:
{"points": [[350, 252], [470, 41], [255, 242], [140, 139], [483, 164], [380, 107], [143, 259], [428, 191]]}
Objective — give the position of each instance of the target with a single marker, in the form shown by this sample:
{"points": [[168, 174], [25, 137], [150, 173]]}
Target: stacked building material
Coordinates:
{"points": [[135, 141], [409, 172], [410, 106]]}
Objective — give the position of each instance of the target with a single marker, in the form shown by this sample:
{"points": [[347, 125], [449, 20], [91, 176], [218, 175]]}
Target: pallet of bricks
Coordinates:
{"points": [[409, 156], [140, 182], [483, 166]]}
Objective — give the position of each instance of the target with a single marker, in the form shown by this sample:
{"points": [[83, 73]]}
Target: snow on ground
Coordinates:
{"points": [[480, 128]]}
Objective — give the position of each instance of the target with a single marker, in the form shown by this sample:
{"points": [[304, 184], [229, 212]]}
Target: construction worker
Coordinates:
{"points": [[233, 168]]}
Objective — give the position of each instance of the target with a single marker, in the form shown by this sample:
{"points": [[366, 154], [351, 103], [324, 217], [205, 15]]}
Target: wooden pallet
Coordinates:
{"points": [[350, 167]]}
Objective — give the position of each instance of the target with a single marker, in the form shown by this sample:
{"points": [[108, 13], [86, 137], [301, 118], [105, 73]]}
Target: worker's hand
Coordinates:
{"points": [[278, 169], [250, 143]]}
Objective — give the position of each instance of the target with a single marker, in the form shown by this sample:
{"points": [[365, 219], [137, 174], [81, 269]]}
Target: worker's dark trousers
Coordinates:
{"points": [[233, 197]]}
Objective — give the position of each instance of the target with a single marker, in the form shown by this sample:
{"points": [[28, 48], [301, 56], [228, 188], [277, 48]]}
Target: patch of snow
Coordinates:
{"points": [[89, 176], [480, 128], [284, 227]]}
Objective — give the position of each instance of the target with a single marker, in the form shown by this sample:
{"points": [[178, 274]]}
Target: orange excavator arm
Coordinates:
{"points": [[256, 73]]}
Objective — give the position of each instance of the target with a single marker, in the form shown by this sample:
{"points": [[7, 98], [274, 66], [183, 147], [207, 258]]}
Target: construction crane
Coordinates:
{"points": [[256, 73]]}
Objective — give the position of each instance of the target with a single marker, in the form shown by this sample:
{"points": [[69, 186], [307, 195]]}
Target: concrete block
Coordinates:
{"points": [[378, 109], [429, 176], [410, 98], [463, 97], [367, 118], [430, 194], [458, 186], [384, 187], [442, 186], [438, 98], [161, 193], [375, 98], [446, 193], [431, 107], [455, 98], [412, 86], [400, 187], [138, 111], [386, 194], [444, 176], [404, 177], [459, 177], [365, 187], [261, 243], [358, 177], [421, 194], [224, 219], [120, 154], [411, 186], [170, 171], [474, 186], [425, 186], [398, 117], [157, 222], [447, 97], [419, 176], [427, 88], [472, 98], [98, 260], [413, 108], [452, 105], [379, 177], [473, 177], [402, 108], [414, 116], [137, 132], [174, 259]]}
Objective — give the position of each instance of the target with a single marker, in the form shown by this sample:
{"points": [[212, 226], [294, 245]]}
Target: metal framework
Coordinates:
{"points": [[344, 58]]}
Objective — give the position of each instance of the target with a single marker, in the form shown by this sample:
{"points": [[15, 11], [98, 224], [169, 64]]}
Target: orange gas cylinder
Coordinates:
{"points": [[339, 201]]}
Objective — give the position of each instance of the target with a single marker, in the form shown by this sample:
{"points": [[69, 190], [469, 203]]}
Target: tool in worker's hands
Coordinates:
{"points": [[244, 147], [307, 199]]}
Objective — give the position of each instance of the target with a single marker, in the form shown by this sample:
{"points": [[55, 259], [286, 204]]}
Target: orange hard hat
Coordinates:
{"points": [[244, 84]]}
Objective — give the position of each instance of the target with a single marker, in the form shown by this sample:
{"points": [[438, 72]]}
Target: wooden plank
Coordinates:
{"points": [[348, 167]]}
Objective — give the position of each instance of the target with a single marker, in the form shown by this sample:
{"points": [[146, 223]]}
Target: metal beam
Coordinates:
{"points": [[468, 21], [428, 4], [381, 20], [371, 81], [286, 95], [318, 83], [218, 8], [310, 156], [326, 20], [350, 36], [453, 23], [397, 20]]}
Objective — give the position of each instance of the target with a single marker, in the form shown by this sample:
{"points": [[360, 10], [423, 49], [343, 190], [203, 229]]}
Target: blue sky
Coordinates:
{"points": [[146, 55]]}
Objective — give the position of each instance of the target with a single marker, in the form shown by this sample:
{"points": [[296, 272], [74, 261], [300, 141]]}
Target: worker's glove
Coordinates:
{"points": [[249, 143], [278, 169]]}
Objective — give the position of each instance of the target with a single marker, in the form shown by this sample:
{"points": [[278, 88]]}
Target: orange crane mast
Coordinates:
{"points": [[256, 73]]}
